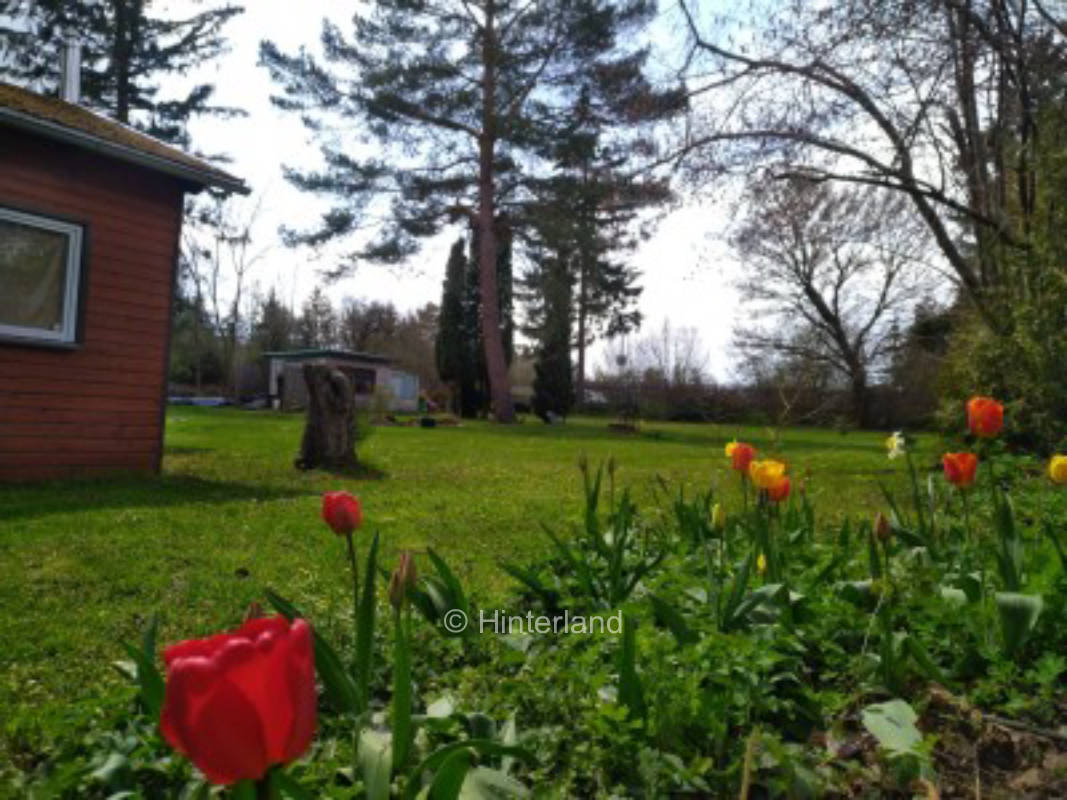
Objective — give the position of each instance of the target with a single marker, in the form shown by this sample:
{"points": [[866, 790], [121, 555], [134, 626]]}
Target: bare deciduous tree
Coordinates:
{"points": [[827, 269], [217, 259], [937, 101]]}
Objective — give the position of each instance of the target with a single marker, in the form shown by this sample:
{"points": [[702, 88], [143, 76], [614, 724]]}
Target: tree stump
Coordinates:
{"points": [[329, 433]]}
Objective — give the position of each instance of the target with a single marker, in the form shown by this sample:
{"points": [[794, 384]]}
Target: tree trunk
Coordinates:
{"points": [[860, 399], [579, 377], [495, 360], [329, 433]]}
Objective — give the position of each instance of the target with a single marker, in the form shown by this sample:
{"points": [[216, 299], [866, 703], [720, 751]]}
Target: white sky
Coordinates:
{"points": [[687, 272]]}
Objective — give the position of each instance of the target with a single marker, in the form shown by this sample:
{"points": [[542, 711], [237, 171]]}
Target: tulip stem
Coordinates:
{"points": [[266, 788], [355, 579], [967, 516]]}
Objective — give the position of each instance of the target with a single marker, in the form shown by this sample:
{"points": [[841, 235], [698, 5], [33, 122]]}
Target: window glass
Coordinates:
{"points": [[33, 271], [39, 262]]}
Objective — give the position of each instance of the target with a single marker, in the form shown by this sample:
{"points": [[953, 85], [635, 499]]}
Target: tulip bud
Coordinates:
{"points": [[1057, 469], [403, 578], [761, 564], [342, 512], [881, 527], [718, 517]]}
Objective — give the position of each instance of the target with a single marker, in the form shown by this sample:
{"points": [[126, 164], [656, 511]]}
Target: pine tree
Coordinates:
{"points": [[126, 52], [317, 325], [553, 372], [457, 97], [452, 347], [274, 326], [590, 214]]}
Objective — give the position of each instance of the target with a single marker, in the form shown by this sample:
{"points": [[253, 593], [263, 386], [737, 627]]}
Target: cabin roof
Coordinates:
{"points": [[57, 119], [340, 355]]}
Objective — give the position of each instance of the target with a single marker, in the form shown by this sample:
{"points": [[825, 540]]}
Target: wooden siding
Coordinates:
{"points": [[96, 408]]}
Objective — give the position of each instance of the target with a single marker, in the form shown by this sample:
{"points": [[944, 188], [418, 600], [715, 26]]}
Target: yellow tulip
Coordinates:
{"points": [[766, 474], [718, 517], [896, 445], [730, 448], [761, 564], [1057, 469]]}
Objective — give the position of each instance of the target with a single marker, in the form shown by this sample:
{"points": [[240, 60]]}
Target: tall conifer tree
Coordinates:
{"points": [[127, 50], [461, 101]]}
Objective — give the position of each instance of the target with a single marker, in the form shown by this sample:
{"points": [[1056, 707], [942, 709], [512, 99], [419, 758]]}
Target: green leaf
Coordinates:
{"points": [[455, 588], [509, 735], [922, 658], [402, 727], [449, 779], [441, 708], [243, 790], [148, 638], [287, 785], [631, 694], [482, 783], [874, 557], [579, 568], [858, 592], [365, 626], [336, 680], [671, 618], [375, 762], [151, 686], [956, 597], [113, 765], [1060, 551], [893, 725], [737, 590], [528, 578], [433, 761], [1018, 616]]}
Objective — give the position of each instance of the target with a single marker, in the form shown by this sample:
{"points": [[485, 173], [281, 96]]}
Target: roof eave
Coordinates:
{"points": [[121, 152]]}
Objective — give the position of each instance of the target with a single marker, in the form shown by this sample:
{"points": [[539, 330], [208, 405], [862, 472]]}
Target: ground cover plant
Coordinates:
{"points": [[752, 643]]}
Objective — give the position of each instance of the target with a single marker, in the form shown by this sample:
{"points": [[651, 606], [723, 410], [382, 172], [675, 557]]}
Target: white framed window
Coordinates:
{"points": [[40, 278]]}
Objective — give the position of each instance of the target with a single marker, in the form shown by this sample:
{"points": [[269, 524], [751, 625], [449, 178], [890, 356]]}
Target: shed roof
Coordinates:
{"points": [[340, 355], [57, 119]]}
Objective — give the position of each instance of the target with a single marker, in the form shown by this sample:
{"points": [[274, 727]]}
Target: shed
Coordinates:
{"points": [[374, 377], [90, 222]]}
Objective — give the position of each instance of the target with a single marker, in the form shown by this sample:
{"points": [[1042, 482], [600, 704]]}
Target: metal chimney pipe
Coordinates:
{"points": [[70, 87]]}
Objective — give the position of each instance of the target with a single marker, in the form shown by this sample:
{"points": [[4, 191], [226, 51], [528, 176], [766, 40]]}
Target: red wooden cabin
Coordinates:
{"points": [[90, 221]]}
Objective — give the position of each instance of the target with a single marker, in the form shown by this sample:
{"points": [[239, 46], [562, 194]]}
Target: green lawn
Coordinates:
{"points": [[83, 563]]}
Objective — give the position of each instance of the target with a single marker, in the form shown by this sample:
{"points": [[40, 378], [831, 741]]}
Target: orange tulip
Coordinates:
{"points": [[741, 455], [985, 416], [960, 468], [779, 490], [767, 473]]}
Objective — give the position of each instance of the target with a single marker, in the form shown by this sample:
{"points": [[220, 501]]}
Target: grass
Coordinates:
{"points": [[82, 563]]}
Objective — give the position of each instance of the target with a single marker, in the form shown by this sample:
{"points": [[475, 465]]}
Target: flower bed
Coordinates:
{"points": [[690, 647]]}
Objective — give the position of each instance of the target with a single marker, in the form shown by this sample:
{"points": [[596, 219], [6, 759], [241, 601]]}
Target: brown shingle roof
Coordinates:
{"points": [[57, 119]]}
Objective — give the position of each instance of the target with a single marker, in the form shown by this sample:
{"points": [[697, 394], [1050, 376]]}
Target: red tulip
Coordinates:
{"points": [[342, 512], [238, 703], [960, 468], [985, 416], [779, 490], [741, 455]]}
